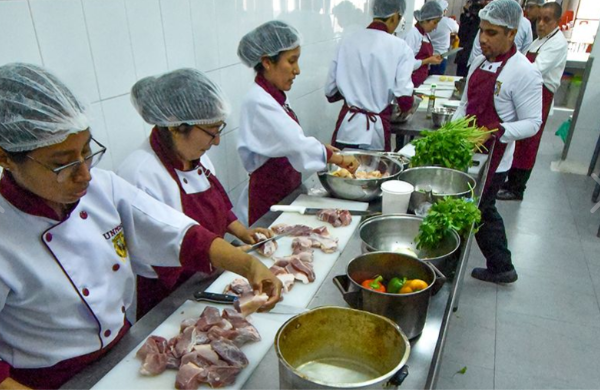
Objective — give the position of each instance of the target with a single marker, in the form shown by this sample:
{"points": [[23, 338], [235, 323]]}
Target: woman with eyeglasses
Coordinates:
{"points": [[272, 145], [188, 112], [71, 245]]}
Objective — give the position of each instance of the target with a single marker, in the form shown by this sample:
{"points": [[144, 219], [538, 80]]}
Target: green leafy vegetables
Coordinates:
{"points": [[451, 146]]}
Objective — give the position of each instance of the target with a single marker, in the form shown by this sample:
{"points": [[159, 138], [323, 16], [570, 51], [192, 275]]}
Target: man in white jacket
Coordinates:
{"points": [[503, 92], [440, 38]]}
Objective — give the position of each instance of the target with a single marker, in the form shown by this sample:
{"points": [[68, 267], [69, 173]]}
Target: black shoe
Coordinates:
{"points": [[487, 276], [508, 195]]}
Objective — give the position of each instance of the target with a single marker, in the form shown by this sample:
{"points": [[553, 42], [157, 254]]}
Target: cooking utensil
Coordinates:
{"points": [[361, 189], [335, 348], [258, 244], [312, 211], [441, 116], [230, 299], [434, 183], [397, 233], [409, 311], [451, 52]]}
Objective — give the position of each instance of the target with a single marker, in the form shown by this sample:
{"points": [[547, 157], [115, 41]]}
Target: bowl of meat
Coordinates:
{"points": [[365, 184]]}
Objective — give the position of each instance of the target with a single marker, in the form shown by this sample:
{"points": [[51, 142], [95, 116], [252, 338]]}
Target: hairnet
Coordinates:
{"points": [[443, 4], [430, 10], [505, 13], [181, 96], [268, 39], [36, 109], [387, 8], [536, 2]]}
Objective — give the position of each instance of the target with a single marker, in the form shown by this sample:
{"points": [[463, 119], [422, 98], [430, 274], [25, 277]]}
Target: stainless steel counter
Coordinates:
{"points": [[426, 349]]}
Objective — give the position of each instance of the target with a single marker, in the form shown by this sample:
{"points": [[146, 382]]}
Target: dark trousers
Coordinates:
{"points": [[517, 181], [462, 70], [438, 69], [491, 237]]}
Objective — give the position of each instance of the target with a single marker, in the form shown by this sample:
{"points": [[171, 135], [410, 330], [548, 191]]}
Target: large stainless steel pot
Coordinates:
{"points": [[397, 233], [434, 183], [362, 190], [407, 310], [340, 348]]}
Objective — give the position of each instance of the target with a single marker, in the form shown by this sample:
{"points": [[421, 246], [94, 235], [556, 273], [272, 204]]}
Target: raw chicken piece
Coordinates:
{"points": [[154, 344], [287, 280], [235, 318], [336, 217], [268, 248], [187, 322], [189, 376], [229, 352], [305, 268], [326, 244], [301, 244], [185, 341], [209, 318], [239, 287], [277, 270], [250, 303], [219, 376], [201, 355], [298, 275], [154, 364]]}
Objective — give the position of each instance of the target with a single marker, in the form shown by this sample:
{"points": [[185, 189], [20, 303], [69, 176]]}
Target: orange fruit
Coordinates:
{"points": [[416, 284], [405, 289]]}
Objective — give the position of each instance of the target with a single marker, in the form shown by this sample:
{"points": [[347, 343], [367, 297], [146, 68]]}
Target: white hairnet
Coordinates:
{"points": [[430, 10], [506, 13], [36, 109], [268, 39], [387, 8], [536, 2], [181, 96], [444, 4]]}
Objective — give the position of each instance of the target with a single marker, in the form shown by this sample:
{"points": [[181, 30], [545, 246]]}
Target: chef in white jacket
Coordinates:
{"points": [[440, 38], [504, 92], [371, 69], [522, 40], [272, 145], [188, 111], [71, 245]]}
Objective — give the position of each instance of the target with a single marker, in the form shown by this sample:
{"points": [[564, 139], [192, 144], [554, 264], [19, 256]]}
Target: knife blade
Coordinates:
{"points": [[227, 299], [312, 211], [258, 244]]}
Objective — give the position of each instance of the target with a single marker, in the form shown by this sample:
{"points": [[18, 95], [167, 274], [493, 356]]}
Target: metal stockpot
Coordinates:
{"points": [[340, 348], [407, 310]]}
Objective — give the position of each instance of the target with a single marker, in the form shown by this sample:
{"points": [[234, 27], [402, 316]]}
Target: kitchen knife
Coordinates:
{"points": [[312, 211], [450, 52], [226, 299], [258, 244]]}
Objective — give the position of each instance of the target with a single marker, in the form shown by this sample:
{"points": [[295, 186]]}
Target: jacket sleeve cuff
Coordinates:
{"points": [[4, 371], [195, 248], [329, 154], [335, 97], [405, 103]]}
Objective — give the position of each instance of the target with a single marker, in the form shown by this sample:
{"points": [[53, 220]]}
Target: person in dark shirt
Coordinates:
{"points": [[469, 24]]}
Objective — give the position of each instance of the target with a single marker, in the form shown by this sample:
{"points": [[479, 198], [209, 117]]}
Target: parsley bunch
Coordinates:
{"points": [[449, 213]]}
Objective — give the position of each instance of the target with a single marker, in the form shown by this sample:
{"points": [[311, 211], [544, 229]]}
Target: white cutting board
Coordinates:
{"points": [[435, 79], [125, 375], [301, 294]]}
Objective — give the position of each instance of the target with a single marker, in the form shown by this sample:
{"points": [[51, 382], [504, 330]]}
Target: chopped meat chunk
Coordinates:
{"points": [[336, 217], [268, 248], [229, 352]]}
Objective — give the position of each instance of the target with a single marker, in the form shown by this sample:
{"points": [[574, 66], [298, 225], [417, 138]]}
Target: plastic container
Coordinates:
{"points": [[396, 196]]}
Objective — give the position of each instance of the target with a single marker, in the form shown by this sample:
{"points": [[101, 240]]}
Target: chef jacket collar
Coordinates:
{"points": [[420, 28], [377, 25], [272, 90], [165, 154], [27, 201], [511, 52]]}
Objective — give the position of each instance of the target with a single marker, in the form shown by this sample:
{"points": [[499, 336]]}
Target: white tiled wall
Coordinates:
{"points": [[99, 48]]}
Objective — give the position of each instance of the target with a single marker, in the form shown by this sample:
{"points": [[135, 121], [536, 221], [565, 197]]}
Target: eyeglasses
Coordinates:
{"points": [[220, 129], [66, 171]]}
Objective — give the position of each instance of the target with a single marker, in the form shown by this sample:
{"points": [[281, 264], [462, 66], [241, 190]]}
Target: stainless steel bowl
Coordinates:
{"points": [[441, 116], [434, 183], [397, 233], [361, 189]]}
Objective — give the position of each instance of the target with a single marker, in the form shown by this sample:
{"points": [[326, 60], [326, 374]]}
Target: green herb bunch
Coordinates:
{"points": [[449, 213], [451, 146]]}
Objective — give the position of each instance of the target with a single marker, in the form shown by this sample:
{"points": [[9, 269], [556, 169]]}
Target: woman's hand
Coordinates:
{"points": [[262, 280], [332, 149], [433, 60], [247, 234], [346, 161]]}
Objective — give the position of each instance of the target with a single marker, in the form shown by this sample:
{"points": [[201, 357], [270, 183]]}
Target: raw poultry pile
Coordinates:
{"points": [[336, 217], [206, 351], [344, 173]]}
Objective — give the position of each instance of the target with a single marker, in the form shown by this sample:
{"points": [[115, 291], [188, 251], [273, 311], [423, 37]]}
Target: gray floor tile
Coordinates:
{"points": [[526, 380], [475, 314], [475, 377], [470, 344], [544, 197], [569, 298], [552, 351], [558, 223], [587, 224], [591, 250]]}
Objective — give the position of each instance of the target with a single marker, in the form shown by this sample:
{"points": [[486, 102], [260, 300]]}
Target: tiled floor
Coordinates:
{"points": [[542, 332]]}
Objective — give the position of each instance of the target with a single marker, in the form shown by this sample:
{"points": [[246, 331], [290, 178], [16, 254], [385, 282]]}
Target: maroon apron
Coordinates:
{"points": [[211, 208], [384, 115], [480, 102], [420, 75], [276, 178], [526, 149]]}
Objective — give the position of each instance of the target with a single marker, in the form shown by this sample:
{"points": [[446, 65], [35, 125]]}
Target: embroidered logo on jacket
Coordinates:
{"points": [[498, 88], [117, 236]]}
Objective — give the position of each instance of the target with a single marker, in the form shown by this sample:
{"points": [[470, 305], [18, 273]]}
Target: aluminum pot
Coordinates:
{"points": [[362, 190], [407, 310], [340, 348], [434, 183], [397, 233]]}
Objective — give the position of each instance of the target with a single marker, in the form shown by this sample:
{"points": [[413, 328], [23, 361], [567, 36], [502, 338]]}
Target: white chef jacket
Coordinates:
{"points": [[518, 103], [370, 69], [551, 57], [267, 131], [523, 40], [65, 286], [440, 37], [414, 39]]}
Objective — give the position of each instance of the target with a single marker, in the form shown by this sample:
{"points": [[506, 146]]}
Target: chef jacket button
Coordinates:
{"points": [[122, 309], [185, 180], [48, 237], [85, 292], [200, 172], [83, 214], [107, 333], [116, 267]]}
